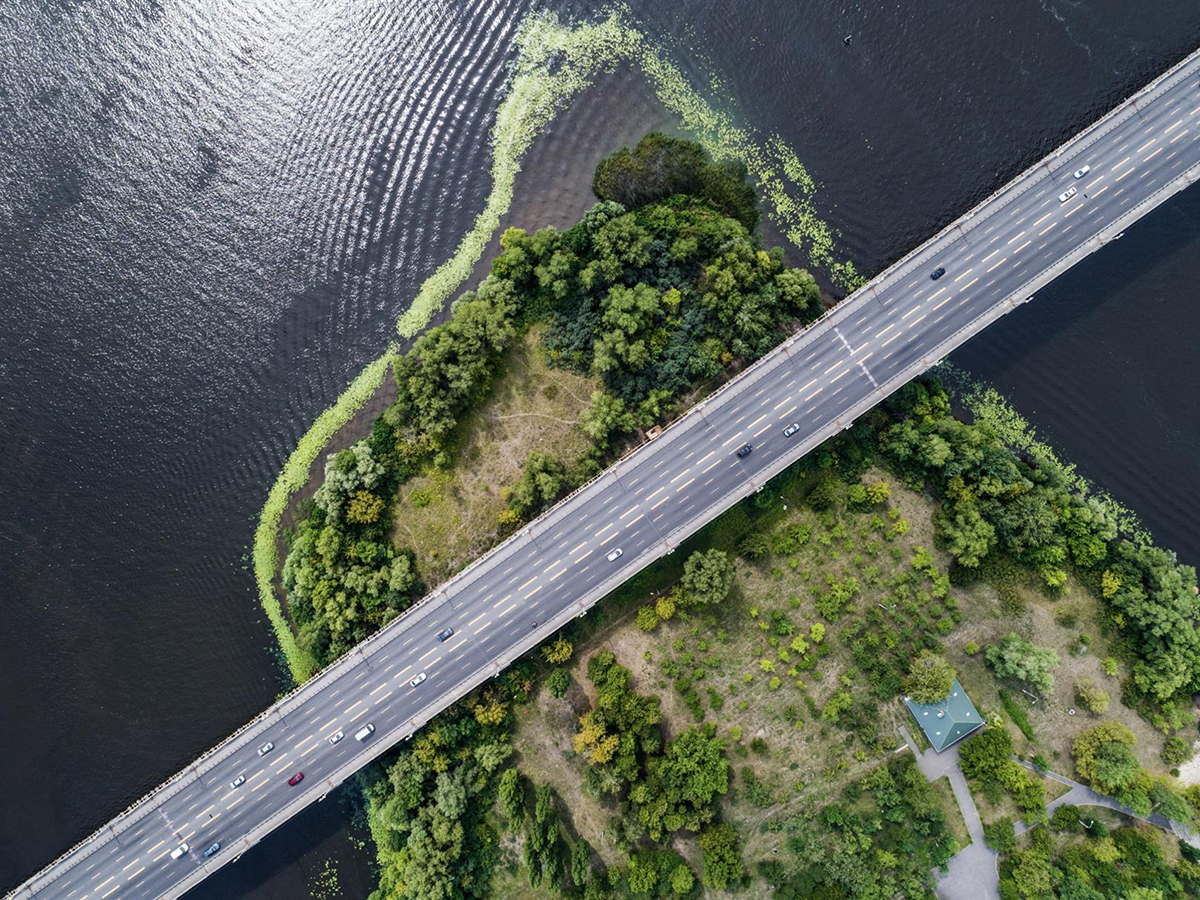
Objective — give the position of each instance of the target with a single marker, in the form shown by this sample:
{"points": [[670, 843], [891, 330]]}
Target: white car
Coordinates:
{"points": [[418, 679], [337, 736], [1067, 195], [180, 850], [1079, 173], [266, 748], [791, 429], [365, 732], [238, 782], [615, 555]]}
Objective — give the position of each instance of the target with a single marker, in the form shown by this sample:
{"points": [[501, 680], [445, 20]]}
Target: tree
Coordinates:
{"points": [[364, 508], [1015, 657], [581, 862], [722, 861], [606, 418], [542, 480], [512, 796], [558, 652], [628, 317], [681, 785], [707, 577], [682, 880], [558, 681], [930, 678], [965, 534], [1000, 835]]}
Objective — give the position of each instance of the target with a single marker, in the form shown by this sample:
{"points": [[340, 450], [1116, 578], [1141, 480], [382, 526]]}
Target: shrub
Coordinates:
{"points": [[1090, 697], [664, 606], [1016, 713], [558, 682], [970, 648], [1177, 750], [647, 618]]}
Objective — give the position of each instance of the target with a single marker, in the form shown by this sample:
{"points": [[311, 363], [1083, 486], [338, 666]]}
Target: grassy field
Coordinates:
{"points": [[767, 699], [449, 517]]}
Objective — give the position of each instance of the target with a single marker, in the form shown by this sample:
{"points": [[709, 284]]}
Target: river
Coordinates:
{"points": [[212, 214]]}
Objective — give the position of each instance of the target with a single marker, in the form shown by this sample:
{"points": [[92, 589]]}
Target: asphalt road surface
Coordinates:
{"points": [[887, 333]]}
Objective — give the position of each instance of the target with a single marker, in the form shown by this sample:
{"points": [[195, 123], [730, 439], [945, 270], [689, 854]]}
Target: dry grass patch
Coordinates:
{"points": [[449, 517], [1057, 624]]}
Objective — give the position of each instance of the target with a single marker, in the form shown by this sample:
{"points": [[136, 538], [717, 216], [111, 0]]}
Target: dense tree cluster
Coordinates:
{"points": [[669, 295], [987, 759], [1104, 757], [660, 167], [428, 810], [343, 576], [882, 843], [1076, 857], [652, 301], [666, 787], [995, 504]]}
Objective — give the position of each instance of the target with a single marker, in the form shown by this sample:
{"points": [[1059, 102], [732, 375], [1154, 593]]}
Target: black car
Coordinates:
{"points": [[213, 849], [744, 451], [445, 634], [938, 273]]}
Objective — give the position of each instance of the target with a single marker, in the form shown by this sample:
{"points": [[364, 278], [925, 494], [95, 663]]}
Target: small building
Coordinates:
{"points": [[947, 721]]}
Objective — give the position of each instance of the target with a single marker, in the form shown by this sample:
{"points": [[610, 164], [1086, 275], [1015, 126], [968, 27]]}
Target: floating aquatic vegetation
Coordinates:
{"points": [[555, 62], [292, 478]]}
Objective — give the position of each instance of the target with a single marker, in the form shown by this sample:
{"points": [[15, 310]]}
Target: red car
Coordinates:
{"points": [[296, 779]]}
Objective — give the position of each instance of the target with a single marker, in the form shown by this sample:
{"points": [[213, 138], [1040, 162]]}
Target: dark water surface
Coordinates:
{"points": [[211, 217]]}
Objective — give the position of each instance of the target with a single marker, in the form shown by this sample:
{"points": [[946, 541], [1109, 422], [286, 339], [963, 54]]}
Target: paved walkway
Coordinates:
{"points": [[1082, 795], [971, 874]]}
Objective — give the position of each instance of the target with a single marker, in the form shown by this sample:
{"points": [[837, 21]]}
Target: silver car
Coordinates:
{"points": [[791, 429], [238, 782], [337, 736], [1067, 194], [266, 748]]}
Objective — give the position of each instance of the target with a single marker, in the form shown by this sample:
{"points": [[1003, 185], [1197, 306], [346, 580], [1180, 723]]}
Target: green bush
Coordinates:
{"points": [[1016, 714]]}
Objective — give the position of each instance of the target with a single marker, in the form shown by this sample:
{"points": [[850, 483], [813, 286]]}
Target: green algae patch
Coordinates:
{"points": [[555, 62], [292, 478]]}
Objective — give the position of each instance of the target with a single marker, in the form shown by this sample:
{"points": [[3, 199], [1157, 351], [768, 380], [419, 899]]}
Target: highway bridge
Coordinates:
{"points": [[888, 332]]}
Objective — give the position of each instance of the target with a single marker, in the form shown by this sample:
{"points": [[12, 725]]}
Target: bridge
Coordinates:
{"points": [[903, 322]]}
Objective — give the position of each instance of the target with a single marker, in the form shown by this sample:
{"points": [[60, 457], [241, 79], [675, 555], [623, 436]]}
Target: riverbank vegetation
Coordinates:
{"points": [[646, 303], [729, 718]]}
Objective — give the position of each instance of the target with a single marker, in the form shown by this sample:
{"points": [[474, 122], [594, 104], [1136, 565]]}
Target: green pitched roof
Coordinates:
{"points": [[947, 721]]}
